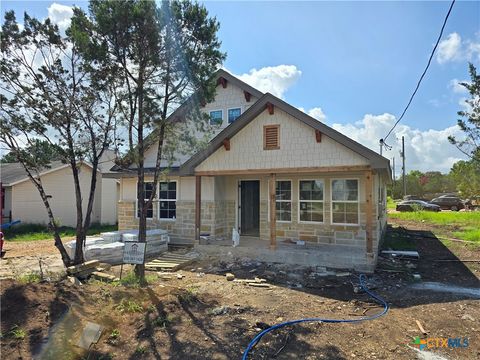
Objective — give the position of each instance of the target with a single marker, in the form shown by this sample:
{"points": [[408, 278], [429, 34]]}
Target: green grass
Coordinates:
{"points": [[17, 333], [33, 232], [129, 306], [462, 225], [391, 204], [30, 278], [131, 279]]}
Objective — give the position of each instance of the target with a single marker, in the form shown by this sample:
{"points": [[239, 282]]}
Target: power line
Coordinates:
{"points": [[382, 141]]}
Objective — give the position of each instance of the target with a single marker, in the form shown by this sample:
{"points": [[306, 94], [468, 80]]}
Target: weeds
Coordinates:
{"points": [[17, 333], [140, 350], [129, 306], [188, 296], [131, 279], [30, 278], [114, 337], [163, 321]]}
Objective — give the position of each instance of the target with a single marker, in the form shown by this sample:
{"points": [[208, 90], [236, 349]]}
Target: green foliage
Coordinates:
{"points": [[163, 321], [113, 337], [30, 278], [422, 184], [466, 175], [130, 279], [32, 232], [188, 295], [38, 150], [129, 306], [141, 350], [17, 333], [470, 118]]}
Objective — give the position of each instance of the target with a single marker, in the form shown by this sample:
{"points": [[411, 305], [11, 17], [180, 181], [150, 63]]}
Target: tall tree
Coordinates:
{"points": [[163, 56], [50, 93], [38, 149], [470, 121], [466, 175]]}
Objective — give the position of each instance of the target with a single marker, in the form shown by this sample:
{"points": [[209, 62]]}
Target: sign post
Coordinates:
{"points": [[133, 253]]}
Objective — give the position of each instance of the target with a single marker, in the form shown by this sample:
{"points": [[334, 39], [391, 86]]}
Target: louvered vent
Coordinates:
{"points": [[271, 137]]}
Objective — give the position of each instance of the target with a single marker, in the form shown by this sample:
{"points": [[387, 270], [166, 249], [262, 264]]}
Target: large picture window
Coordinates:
{"points": [[345, 201], [168, 200], [148, 189], [283, 200], [310, 198]]}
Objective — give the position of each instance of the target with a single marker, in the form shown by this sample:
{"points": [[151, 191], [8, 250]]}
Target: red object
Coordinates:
{"points": [[1, 242]]}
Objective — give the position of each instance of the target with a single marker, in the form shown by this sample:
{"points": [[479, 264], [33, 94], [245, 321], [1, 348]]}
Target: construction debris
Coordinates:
{"points": [[402, 253], [420, 327], [229, 276], [262, 285], [171, 262], [104, 276], [80, 268], [91, 334]]}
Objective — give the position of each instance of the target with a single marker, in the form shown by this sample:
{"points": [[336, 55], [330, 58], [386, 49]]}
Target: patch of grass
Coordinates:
{"points": [[113, 337], [131, 279], [140, 350], [129, 306], [188, 295], [17, 333], [163, 321], [33, 232], [30, 278], [391, 204], [472, 235]]}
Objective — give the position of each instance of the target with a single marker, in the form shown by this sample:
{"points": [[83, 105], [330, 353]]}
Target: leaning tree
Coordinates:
{"points": [[50, 93], [163, 55]]}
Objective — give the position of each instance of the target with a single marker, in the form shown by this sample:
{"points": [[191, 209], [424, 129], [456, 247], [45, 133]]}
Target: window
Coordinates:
{"points": [[233, 114], [148, 189], [271, 137], [345, 201], [216, 117], [168, 200], [283, 200], [310, 198]]}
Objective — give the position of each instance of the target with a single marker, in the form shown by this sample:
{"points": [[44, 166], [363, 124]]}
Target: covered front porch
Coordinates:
{"points": [[242, 201]]}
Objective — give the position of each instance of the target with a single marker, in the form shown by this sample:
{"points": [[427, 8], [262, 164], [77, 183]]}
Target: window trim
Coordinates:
{"points": [[277, 126], [345, 201], [158, 200], [210, 118], [312, 201], [136, 202], [234, 108], [291, 201]]}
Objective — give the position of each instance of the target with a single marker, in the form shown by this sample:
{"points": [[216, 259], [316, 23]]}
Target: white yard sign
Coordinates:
{"points": [[134, 253]]}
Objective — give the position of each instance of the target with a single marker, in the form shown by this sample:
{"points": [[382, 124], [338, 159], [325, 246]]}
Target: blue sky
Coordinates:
{"points": [[352, 65]]}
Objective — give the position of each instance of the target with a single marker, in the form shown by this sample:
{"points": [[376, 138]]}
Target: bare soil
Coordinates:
{"points": [[204, 316]]}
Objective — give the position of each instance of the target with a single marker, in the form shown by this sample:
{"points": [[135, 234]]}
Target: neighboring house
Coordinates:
{"points": [[21, 200], [327, 190]]}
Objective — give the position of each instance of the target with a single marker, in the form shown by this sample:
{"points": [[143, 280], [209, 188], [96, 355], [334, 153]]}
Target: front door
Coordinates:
{"points": [[250, 207]]}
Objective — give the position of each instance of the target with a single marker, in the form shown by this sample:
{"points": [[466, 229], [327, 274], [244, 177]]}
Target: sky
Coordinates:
{"points": [[351, 65]]}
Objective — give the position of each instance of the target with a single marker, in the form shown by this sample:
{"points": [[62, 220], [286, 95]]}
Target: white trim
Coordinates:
{"points": [[170, 200], [345, 201], [210, 119], [291, 201], [232, 108], [311, 201]]}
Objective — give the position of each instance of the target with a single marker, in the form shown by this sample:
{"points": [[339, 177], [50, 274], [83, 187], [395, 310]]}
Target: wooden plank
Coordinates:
{"points": [[369, 209], [198, 204], [273, 213], [295, 170], [83, 266], [103, 276]]}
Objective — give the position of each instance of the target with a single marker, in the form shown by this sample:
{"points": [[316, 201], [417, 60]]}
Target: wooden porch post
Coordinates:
{"points": [[198, 206], [273, 213], [369, 209]]}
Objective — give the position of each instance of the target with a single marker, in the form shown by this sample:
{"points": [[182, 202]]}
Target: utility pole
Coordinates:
{"points": [[403, 167]]}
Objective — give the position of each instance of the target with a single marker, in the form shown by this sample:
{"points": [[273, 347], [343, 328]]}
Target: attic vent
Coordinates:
{"points": [[271, 137]]}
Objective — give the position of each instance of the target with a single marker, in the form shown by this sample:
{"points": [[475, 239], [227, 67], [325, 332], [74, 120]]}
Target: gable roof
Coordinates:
{"points": [[376, 160], [180, 111], [14, 173]]}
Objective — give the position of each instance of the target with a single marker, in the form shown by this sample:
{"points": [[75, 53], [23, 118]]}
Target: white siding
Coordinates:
{"points": [[109, 199], [298, 148], [28, 207]]}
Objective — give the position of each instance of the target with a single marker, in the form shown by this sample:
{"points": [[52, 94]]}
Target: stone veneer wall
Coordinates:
{"points": [[181, 230]]}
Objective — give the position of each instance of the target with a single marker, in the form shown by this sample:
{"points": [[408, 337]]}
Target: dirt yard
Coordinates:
{"points": [[204, 316]]}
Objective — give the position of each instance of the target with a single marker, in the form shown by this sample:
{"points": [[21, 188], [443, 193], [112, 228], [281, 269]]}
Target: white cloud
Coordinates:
{"points": [[60, 15], [453, 48], [316, 113], [424, 150], [456, 87], [273, 79]]}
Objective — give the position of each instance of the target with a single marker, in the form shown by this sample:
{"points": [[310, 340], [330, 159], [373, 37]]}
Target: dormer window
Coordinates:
{"points": [[216, 117], [233, 114]]}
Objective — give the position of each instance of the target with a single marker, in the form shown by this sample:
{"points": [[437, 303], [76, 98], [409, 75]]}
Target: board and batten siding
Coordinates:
{"points": [[28, 207], [298, 148]]}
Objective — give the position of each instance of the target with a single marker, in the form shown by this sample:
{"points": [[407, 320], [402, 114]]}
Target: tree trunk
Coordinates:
{"points": [[80, 231]]}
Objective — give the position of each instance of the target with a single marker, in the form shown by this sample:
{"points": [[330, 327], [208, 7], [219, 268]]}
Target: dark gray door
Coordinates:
{"points": [[250, 207]]}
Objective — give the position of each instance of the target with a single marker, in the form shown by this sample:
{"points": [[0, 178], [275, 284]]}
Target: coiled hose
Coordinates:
{"points": [[362, 278]]}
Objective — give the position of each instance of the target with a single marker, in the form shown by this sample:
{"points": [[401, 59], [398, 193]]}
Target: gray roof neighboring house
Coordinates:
{"points": [[13, 173]]}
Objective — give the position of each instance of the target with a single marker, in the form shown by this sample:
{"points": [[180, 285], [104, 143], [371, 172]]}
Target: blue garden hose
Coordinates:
{"points": [[362, 278]]}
